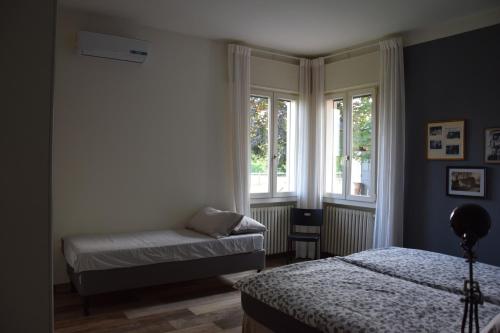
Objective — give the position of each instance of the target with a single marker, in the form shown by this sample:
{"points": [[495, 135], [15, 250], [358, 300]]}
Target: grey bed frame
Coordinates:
{"points": [[90, 283]]}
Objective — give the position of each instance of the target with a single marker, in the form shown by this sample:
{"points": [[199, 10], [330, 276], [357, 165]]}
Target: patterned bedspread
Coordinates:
{"points": [[429, 268], [333, 295]]}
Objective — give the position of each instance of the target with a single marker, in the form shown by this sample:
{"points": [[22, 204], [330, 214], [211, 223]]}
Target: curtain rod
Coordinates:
{"points": [[275, 54], [373, 45], [296, 59]]}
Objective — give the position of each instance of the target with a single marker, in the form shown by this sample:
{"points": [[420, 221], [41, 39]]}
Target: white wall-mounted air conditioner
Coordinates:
{"points": [[112, 47]]}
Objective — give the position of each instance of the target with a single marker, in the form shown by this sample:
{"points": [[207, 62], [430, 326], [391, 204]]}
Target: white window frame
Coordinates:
{"points": [[334, 97], [267, 94], [274, 96], [346, 196]]}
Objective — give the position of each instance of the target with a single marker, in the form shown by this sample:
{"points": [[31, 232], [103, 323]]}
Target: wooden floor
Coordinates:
{"points": [[201, 306]]}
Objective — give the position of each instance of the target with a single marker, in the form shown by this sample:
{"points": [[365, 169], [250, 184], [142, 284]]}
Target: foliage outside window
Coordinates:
{"points": [[349, 145], [259, 139], [273, 122]]}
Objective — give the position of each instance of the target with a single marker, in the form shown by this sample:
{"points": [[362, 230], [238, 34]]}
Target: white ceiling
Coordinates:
{"points": [[303, 27]]}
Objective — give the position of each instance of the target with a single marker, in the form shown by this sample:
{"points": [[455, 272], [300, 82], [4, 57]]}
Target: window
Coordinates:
{"points": [[350, 145], [273, 137]]}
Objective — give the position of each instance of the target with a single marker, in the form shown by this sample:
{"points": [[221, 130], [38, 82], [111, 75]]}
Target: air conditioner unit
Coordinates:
{"points": [[112, 47]]}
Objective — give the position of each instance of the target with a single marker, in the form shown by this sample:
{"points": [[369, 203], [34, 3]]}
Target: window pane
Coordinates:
{"points": [[335, 146], [361, 154], [259, 144], [285, 147]]}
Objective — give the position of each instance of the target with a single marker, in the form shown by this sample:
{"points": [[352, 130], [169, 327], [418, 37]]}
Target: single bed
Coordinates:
{"points": [[387, 290], [103, 263]]}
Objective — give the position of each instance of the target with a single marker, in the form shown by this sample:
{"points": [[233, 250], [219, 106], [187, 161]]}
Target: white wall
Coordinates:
{"points": [[356, 71], [136, 146], [274, 74]]}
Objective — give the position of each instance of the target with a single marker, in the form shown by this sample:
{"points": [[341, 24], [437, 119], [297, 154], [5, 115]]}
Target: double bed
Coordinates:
{"points": [[384, 290], [109, 262]]}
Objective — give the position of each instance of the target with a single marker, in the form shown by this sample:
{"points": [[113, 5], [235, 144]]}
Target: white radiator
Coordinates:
{"points": [[277, 221], [346, 230]]}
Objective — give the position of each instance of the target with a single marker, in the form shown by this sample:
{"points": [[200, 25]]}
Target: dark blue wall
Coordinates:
{"points": [[446, 79]]}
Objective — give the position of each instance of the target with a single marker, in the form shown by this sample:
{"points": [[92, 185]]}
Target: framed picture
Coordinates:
{"points": [[492, 145], [445, 140], [466, 181]]}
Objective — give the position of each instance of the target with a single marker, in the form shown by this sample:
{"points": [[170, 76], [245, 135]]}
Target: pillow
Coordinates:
{"points": [[213, 222], [248, 225]]}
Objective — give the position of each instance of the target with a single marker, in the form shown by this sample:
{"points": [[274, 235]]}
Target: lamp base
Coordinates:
{"points": [[473, 296], [471, 301]]}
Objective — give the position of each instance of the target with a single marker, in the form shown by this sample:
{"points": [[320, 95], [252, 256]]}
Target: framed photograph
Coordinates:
{"points": [[492, 145], [445, 140], [466, 181]]}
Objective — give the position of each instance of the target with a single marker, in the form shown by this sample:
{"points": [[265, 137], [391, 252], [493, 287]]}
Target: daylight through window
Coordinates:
{"points": [[273, 137], [349, 148]]}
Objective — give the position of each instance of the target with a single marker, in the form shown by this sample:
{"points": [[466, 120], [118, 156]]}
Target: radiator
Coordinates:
{"points": [[346, 230], [277, 221]]}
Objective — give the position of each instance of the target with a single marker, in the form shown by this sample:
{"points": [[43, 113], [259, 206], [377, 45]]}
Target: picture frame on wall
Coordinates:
{"points": [[446, 140], [492, 145], [466, 181]]}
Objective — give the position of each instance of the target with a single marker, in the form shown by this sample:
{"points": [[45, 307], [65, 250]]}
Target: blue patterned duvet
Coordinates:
{"points": [[429, 268], [357, 294]]}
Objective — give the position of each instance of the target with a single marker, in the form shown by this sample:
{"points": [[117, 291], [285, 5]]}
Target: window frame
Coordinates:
{"points": [[268, 94], [347, 95], [335, 97], [274, 97]]}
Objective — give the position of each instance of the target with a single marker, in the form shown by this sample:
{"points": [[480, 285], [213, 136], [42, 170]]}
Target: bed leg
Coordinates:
{"points": [[85, 304]]}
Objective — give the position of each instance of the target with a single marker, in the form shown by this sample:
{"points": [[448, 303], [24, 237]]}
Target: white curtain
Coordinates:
{"points": [[391, 146], [303, 159], [311, 114], [310, 154], [318, 106], [239, 103]]}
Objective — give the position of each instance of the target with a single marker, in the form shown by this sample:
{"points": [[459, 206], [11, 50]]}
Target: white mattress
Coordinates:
{"points": [[99, 252]]}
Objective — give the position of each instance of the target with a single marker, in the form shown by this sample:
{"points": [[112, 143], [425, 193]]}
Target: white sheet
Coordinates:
{"points": [[99, 252]]}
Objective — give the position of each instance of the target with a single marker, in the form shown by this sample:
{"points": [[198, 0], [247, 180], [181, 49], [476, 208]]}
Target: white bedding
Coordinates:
{"points": [[108, 251]]}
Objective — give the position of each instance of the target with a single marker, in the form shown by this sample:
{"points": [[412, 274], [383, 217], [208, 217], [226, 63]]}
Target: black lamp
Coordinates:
{"points": [[470, 222]]}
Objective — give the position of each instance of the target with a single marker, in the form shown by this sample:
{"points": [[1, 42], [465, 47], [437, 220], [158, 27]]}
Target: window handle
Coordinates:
{"points": [[347, 157], [275, 156]]}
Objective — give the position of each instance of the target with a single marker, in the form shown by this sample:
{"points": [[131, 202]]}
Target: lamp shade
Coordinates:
{"points": [[470, 222]]}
